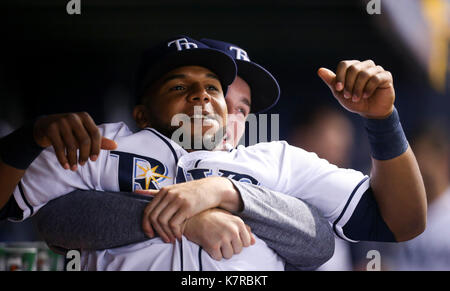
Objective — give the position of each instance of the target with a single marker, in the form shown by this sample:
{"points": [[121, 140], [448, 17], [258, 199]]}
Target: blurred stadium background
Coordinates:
{"points": [[54, 62]]}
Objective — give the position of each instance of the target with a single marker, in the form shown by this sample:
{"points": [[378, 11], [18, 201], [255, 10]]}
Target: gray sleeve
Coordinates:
{"points": [[102, 220], [92, 220], [294, 229]]}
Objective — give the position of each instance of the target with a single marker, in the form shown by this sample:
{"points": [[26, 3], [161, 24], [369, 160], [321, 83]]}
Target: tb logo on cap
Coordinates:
{"points": [[240, 53], [182, 43]]}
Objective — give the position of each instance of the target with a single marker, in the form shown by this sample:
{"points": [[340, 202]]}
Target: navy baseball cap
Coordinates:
{"points": [[264, 87], [183, 51]]}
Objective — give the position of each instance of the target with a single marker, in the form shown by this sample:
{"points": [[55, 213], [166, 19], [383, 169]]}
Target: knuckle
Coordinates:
{"points": [[171, 192], [223, 238], [208, 245], [377, 78], [72, 117], [364, 74], [161, 220], [353, 68], [71, 147], [85, 141], [83, 114], [343, 64], [240, 223], [215, 248], [216, 255], [96, 133], [177, 195], [153, 218], [53, 126], [172, 224]]}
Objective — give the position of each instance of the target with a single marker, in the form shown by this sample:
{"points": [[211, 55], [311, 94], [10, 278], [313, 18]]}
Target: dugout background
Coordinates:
{"points": [[54, 62]]}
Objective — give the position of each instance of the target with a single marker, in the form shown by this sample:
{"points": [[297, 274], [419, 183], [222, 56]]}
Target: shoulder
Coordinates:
{"points": [[114, 130], [266, 146], [279, 149]]}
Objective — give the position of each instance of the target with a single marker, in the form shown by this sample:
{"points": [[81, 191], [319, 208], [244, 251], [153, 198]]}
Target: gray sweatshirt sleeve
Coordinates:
{"points": [[101, 220], [92, 220], [294, 229]]}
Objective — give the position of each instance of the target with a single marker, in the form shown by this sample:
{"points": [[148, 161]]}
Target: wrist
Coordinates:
{"points": [[19, 149], [386, 136], [230, 197], [381, 117]]}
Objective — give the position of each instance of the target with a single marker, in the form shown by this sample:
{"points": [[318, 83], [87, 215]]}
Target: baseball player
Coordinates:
{"points": [[292, 228], [348, 186], [363, 88], [89, 176]]}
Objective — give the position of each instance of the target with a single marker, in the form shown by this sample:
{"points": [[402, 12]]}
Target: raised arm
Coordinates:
{"points": [[396, 182]]}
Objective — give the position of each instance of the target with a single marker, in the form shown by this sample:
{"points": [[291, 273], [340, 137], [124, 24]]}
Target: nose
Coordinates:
{"points": [[198, 95]]}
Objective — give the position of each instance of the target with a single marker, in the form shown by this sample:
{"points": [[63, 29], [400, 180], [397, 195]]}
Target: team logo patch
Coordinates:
{"points": [[139, 172], [148, 175]]}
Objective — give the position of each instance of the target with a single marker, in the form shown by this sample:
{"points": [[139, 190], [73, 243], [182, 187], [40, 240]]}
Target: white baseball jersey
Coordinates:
{"points": [[148, 160], [131, 166], [286, 169], [144, 160]]}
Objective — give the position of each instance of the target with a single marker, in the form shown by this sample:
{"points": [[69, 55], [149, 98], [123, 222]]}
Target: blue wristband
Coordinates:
{"points": [[19, 149], [386, 137]]}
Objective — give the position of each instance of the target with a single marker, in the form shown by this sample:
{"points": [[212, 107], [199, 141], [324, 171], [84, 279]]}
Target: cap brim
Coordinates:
{"points": [[216, 61], [264, 88]]}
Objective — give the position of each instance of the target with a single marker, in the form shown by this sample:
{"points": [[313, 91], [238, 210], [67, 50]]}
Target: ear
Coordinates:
{"points": [[140, 115]]}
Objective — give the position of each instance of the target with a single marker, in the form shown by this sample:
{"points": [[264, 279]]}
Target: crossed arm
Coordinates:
{"points": [[100, 220], [360, 87]]}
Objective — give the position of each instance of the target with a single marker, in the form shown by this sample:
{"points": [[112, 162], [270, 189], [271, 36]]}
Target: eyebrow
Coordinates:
{"points": [[245, 100], [212, 76], [172, 77], [183, 76]]}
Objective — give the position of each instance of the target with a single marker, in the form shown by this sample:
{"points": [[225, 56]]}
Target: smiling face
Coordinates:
{"points": [[180, 91], [238, 103]]}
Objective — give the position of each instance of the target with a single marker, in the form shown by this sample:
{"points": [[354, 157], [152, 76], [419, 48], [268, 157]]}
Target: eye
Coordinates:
{"points": [[212, 88], [177, 88], [242, 111]]}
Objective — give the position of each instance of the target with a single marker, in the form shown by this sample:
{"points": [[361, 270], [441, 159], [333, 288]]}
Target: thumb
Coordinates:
{"points": [[327, 76], [108, 144]]}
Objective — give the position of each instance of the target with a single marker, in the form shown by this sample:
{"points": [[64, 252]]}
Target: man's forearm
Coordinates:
{"points": [[398, 188], [92, 220], [101, 220], [294, 229], [9, 178]]}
